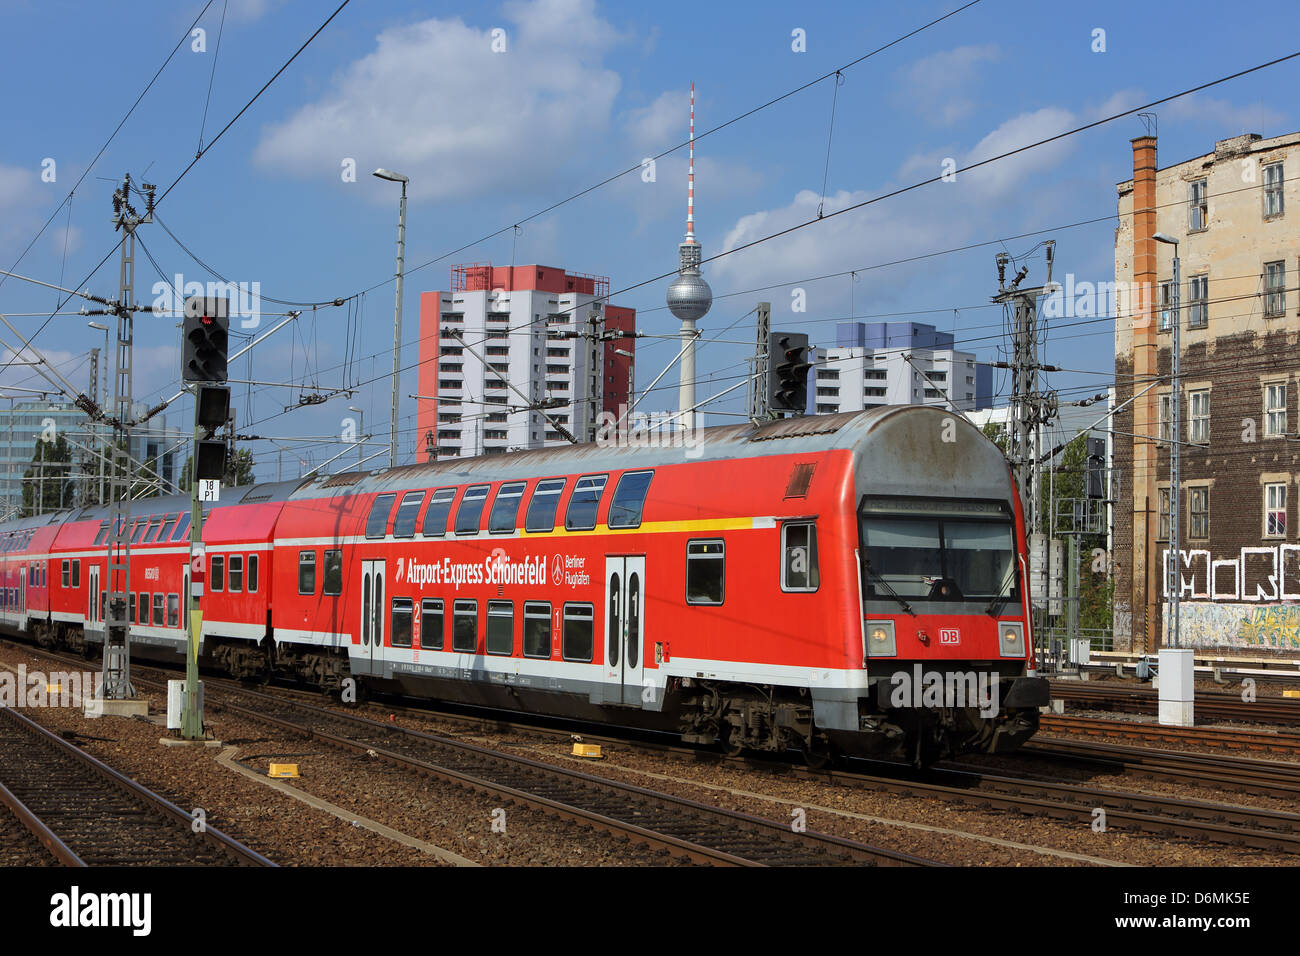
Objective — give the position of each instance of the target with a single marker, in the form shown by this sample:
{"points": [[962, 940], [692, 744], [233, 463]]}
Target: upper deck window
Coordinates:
{"points": [[505, 507], [435, 519], [470, 511], [629, 499], [407, 512], [543, 505], [585, 503], [377, 521]]}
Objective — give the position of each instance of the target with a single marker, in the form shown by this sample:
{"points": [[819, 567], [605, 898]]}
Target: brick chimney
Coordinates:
{"points": [[1146, 500]]}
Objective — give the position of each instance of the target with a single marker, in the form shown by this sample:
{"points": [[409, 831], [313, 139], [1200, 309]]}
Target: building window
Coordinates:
{"points": [[1275, 410], [1198, 212], [403, 620], [799, 570], [501, 627], [1275, 511], [1198, 507], [332, 579], [306, 572], [577, 641], [1199, 403], [431, 624], [1163, 534], [706, 563], [537, 629], [1166, 307], [464, 628], [1166, 418], [1198, 302], [1272, 190], [1274, 289]]}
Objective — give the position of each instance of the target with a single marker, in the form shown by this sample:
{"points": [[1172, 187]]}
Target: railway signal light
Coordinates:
{"points": [[787, 372], [212, 406], [1095, 469], [210, 459], [205, 339]]}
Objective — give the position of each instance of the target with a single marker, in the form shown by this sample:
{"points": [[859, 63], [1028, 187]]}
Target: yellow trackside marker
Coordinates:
{"points": [[590, 751], [1291, 693], [282, 770]]}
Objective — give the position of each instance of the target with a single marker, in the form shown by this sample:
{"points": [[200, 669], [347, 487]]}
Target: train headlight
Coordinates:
{"points": [[1011, 638], [880, 639]]}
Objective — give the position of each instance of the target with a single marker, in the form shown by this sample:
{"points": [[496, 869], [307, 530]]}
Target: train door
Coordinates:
{"points": [[370, 655], [22, 596], [624, 628], [92, 599]]}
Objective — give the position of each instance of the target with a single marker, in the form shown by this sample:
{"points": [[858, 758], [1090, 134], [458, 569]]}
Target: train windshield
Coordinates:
{"points": [[959, 554]]}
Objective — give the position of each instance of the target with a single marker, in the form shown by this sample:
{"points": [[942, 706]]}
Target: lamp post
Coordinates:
{"points": [[393, 177], [360, 433], [1176, 671]]}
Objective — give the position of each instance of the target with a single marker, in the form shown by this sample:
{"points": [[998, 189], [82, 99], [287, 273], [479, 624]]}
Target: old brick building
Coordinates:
{"points": [[1235, 212]]}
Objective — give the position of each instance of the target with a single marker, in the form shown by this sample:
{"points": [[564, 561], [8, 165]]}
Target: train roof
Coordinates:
{"points": [[813, 434]]}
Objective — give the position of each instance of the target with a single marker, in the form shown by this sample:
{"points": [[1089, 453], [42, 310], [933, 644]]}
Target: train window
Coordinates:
{"points": [[137, 532], [76, 573], [579, 626], [542, 506], [407, 512], [633, 618], [306, 572], [65, 579], [629, 499], [173, 610], [706, 564], [144, 610], [464, 628], [614, 620], [218, 573], [182, 527], [399, 634], [435, 519], [252, 573], [154, 526], [799, 570], [505, 507], [333, 572], [103, 533], [103, 605], [168, 526], [131, 612], [235, 573], [501, 627], [431, 624], [537, 629], [159, 613], [377, 522], [470, 511], [584, 503]]}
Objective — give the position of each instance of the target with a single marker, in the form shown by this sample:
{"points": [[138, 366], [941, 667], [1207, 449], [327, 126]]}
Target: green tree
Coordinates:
{"points": [[48, 484]]}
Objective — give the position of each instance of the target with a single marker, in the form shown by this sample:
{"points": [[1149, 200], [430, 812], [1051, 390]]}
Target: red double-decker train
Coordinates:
{"points": [[851, 582]]}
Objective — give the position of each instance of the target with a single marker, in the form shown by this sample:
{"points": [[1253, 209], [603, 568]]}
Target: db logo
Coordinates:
{"points": [[948, 635], [557, 569]]}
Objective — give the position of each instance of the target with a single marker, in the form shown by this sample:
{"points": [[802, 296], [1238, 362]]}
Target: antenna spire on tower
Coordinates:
{"points": [[690, 175]]}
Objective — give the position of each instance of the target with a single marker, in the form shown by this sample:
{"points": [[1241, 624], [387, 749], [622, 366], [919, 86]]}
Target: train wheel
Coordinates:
{"points": [[818, 753]]}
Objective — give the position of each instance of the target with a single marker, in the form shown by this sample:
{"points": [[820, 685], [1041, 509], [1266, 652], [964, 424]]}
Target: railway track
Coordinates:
{"points": [[1214, 737], [1218, 705], [697, 831], [84, 813]]}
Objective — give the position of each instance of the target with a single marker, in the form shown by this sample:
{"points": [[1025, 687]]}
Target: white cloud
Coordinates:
{"points": [[434, 101], [1000, 178], [65, 239], [938, 87], [664, 123], [1228, 119]]}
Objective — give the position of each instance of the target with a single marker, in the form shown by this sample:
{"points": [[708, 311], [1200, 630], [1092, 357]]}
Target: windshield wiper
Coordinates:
{"points": [[1001, 598], [872, 572]]}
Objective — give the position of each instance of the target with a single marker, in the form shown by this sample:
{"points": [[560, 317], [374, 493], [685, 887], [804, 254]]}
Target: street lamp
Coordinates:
{"points": [[393, 177], [1177, 676], [361, 433]]}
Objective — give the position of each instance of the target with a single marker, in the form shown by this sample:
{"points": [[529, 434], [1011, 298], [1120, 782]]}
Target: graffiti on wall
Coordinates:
{"points": [[1268, 573], [1240, 626]]}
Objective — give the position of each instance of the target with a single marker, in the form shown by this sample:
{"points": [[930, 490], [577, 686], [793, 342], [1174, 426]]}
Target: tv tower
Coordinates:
{"points": [[689, 296]]}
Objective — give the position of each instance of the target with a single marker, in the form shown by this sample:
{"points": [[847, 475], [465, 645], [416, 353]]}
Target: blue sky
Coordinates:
{"points": [[583, 90]]}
